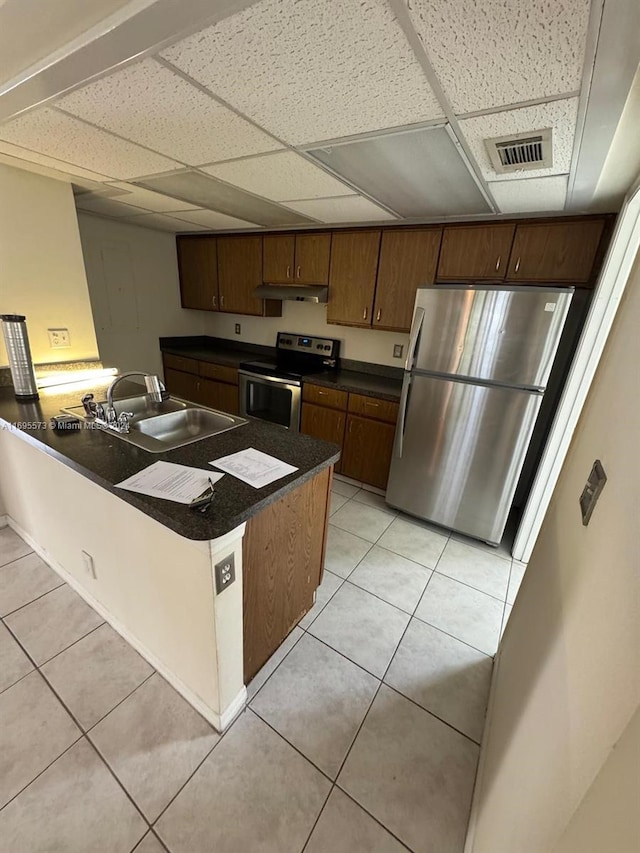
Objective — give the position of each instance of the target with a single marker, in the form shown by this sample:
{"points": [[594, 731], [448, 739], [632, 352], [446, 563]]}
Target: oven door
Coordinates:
{"points": [[270, 399]]}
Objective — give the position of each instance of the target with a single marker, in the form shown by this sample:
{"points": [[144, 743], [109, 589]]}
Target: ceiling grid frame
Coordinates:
{"points": [[399, 9]]}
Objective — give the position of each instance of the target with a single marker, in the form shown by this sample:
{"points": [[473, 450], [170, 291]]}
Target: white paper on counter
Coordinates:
{"points": [[179, 483], [254, 467]]}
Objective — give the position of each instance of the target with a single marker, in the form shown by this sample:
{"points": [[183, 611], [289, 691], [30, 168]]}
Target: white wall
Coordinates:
{"points": [[309, 318], [41, 269], [567, 679], [135, 295], [608, 820]]}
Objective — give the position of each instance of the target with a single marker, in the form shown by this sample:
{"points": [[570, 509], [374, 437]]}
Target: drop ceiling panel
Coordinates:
{"points": [[351, 208], [49, 162], [539, 195], [163, 223], [205, 191], [55, 134], [106, 206], [211, 219], [153, 106], [490, 53], [308, 70], [559, 115], [280, 176], [136, 196], [418, 173]]}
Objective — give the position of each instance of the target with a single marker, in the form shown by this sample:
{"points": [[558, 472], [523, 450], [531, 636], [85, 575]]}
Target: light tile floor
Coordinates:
{"points": [[362, 732]]}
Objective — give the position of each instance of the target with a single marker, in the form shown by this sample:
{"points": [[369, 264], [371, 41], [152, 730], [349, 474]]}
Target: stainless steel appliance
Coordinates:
{"points": [[478, 362], [271, 389]]}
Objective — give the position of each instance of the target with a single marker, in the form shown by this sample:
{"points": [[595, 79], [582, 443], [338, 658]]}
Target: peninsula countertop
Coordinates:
{"points": [[106, 459]]}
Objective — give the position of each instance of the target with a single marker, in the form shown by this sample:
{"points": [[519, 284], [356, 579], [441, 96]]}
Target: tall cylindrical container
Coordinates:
{"points": [[16, 340]]}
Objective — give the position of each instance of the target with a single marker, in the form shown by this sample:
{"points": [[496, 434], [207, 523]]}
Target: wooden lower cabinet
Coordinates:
{"points": [[180, 384], [219, 395], [283, 556], [190, 382], [368, 447], [324, 423]]}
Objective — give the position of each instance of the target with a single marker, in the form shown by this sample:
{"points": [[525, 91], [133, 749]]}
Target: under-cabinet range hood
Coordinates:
{"points": [[295, 292]]}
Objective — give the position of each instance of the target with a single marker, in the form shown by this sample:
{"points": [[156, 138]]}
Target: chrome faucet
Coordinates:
{"points": [[107, 416]]}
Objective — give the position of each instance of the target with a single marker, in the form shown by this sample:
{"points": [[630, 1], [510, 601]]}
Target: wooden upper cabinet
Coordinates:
{"points": [[239, 273], [352, 277], [312, 258], [555, 251], [198, 271], [408, 259], [278, 262], [475, 252]]}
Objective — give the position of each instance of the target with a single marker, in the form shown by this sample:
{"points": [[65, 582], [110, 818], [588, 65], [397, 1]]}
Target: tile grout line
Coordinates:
{"points": [[15, 559], [33, 600]]}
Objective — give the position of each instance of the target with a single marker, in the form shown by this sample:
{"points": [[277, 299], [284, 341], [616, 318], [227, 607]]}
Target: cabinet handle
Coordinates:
{"points": [[364, 314], [375, 405], [288, 270], [517, 265], [378, 316], [498, 262], [350, 425], [322, 393], [214, 303], [222, 301], [298, 272]]}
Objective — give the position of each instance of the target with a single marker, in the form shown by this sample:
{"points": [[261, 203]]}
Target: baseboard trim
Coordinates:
{"points": [[220, 722]]}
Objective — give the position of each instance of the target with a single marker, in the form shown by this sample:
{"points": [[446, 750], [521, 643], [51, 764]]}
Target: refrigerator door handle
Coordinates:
{"points": [[416, 328], [404, 403]]}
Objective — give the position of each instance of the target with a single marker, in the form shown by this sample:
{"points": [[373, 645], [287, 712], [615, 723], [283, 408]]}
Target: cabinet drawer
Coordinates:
{"points": [[221, 372], [325, 396], [371, 407], [177, 362]]}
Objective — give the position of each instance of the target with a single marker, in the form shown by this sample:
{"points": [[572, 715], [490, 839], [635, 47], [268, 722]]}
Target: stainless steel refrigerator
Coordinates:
{"points": [[478, 362]]}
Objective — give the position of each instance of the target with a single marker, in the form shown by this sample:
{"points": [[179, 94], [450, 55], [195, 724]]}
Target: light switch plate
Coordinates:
{"points": [[592, 491], [225, 573]]}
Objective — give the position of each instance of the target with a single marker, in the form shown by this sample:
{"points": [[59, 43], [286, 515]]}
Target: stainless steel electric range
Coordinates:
{"points": [[271, 389]]}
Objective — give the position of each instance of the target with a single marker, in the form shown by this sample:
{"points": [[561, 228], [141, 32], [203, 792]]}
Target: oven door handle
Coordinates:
{"points": [[269, 379]]}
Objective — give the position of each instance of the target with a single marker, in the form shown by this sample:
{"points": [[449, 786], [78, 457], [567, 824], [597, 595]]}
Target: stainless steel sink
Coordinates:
{"points": [[158, 427]]}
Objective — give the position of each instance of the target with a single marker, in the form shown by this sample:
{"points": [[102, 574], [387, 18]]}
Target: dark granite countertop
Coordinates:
{"points": [[372, 380], [105, 459], [383, 387]]}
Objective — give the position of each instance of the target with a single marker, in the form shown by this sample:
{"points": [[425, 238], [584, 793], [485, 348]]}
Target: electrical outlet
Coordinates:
{"points": [[59, 338], [237, 328], [398, 349], [592, 491], [225, 573], [89, 565]]}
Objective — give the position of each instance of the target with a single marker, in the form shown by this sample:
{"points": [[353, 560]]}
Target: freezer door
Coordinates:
{"points": [[458, 453], [500, 334]]}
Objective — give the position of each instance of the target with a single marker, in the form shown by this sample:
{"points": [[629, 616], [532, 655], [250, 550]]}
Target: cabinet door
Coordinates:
{"points": [[183, 385], [368, 446], [219, 395], [239, 273], [352, 277], [198, 272], [278, 259], [408, 259], [312, 258], [555, 251], [323, 423], [475, 252]]}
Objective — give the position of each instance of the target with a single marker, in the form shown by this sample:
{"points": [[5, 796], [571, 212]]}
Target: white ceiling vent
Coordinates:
{"points": [[521, 151]]}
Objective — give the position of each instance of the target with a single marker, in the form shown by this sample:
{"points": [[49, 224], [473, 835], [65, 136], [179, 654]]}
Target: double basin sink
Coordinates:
{"points": [[159, 427]]}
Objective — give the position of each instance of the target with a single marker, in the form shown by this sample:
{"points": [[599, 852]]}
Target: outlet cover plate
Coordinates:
{"points": [[225, 573], [592, 491], [398, 349], [59, 338]]}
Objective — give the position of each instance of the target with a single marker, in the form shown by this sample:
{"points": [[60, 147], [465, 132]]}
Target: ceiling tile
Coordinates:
{"points": [[156, 202], [163, 223], [212, 219], [207, 192], [489, 53], [559, 115], [539, 195], [308, 70], [280, 176], [107, 206], [151, 105], [55, 134], [352, 208], [49, 162]]}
